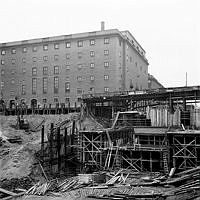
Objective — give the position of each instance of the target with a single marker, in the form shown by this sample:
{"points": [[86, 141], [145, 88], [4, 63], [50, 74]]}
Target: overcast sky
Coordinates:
{"points": [[168, 30]]}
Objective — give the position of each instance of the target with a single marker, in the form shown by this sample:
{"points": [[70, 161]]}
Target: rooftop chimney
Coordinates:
{"points": [[102, 26]]}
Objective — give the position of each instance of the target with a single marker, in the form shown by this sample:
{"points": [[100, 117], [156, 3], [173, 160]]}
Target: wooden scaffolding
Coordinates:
{"points": [[100, 149], [184, 149]]}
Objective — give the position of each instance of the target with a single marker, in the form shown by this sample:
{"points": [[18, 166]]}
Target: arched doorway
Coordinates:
{"points": [[12, 104], [2, 105], [33, 103]]}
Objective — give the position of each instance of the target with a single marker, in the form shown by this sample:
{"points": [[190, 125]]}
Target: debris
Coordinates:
{"points": [[11, 197], [7, 192], [172, 171]]}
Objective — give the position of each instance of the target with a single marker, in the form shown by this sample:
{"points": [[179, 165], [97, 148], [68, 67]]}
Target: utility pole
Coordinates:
{"points": [[186, 79]]}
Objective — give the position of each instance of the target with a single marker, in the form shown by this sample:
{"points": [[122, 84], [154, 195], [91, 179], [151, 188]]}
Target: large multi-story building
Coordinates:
{"points": [[60, 69]]}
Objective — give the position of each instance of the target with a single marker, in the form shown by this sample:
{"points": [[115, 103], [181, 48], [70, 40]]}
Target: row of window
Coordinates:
{"points": [[56, 46], [79, 78], [56, 69], [56, 87], [56, 57]]}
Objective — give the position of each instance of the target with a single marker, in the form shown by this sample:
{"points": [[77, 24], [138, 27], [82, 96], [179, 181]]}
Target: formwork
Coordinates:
{"points": [[184, 149], [100, 149], [143, 149]]}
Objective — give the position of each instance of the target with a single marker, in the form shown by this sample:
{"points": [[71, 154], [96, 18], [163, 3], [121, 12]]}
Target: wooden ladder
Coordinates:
{"points": [[165, 161]]}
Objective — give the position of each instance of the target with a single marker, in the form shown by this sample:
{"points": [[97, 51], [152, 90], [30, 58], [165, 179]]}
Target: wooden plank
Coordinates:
{"points": [[13, 197], [58, 149], [7, 192]]}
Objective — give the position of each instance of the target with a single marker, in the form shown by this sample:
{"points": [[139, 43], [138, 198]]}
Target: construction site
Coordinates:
{"points": [[117, 145]]}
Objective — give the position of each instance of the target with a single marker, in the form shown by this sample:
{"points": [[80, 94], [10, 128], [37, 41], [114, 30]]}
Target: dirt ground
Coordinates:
{"points": [[17, 159]]}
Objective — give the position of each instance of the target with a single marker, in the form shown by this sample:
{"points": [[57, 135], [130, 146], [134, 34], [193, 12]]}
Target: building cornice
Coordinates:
{"points": [[62, 38], [77, 36]]}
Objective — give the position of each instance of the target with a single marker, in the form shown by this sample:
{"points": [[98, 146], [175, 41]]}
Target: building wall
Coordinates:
{"points": [[153, 83], [27, 62]]}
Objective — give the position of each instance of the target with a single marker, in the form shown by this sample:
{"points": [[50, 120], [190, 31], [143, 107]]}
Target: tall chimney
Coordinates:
{"points": [[102, 26]]}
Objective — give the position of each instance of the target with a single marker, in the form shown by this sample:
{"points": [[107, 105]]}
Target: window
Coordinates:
{"points": [[56, 57], [34, 71], [79, 66], [67, 78], [106, 40], [45, 85], [34, 85], [136, 64], [91, 65], [2, 62], [23, 89], [12, 93], [45, 47], [91, 89], [106, 52], [24, 50], [79, 90], [79, 78], [106, 64], [13, 51], [92, 42], [55, 100], [120, 42], [79, 99], [2, 72], [44, 100], [45, 58], [80, 43], [67, 87], [56, 46], [130, 59], [13, 71], [23, 70], [92, 77], [67, 56], [56, 69], [34, 59], [106, 77], [3, 52], [13, 61], [23, 60], [67, 67], [67, 100], [106, 89], [34, 49], [79, 54], [92, 54], [68, 44], [2, 84], [45, 70], [56, 85]]}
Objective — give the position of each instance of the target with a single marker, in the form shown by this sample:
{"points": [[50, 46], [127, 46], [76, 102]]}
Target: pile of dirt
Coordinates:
{"points": [[17, 160]]}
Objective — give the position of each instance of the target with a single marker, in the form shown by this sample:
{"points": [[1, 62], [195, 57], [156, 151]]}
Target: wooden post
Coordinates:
{"points": [[42, 143], [65, 149], [51, 148], [72, 136], [68, 108], [58, 149], [75, 106]]}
